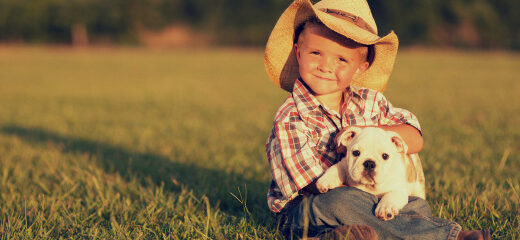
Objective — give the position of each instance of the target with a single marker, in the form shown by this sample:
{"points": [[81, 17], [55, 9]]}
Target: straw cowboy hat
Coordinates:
{"points": [[350, 18]]}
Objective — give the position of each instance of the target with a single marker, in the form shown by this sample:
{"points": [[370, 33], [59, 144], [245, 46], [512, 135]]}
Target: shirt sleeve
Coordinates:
{"points": [[293, 158], [389, 115]]}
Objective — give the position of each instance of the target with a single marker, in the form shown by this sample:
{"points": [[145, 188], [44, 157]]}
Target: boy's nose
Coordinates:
{"points": [[325, 65]]}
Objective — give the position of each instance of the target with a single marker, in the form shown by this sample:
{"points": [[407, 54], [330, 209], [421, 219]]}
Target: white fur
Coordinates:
{"points": [[387, 180]]}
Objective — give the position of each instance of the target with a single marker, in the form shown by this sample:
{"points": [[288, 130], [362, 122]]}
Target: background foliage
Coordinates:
{"points": [[457, 23]]}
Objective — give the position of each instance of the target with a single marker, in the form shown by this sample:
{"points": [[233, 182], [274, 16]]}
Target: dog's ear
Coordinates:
{"points": [[344, 137], [399, 143]]}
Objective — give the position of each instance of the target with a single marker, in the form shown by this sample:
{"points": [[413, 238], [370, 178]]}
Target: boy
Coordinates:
{"points": [[331, 59]]}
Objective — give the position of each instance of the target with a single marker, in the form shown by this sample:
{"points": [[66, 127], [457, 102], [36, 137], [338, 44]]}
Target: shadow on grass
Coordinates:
{"points": [[217, 185]]}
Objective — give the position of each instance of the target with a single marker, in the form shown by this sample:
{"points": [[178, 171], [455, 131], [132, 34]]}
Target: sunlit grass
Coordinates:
{"points": [[135, 144]]}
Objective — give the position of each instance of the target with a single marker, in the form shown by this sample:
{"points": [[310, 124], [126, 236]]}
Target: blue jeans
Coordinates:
{"points": [[351, 206]]}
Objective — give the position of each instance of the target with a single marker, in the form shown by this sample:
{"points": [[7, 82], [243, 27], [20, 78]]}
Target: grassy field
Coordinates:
{"points": [[142, 144]]}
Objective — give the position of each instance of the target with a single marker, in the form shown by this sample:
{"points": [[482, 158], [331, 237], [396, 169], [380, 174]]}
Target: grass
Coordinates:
{"points": [[144, 144]]}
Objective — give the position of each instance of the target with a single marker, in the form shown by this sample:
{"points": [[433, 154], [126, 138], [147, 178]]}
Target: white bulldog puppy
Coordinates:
{"points": [[376, 162]]}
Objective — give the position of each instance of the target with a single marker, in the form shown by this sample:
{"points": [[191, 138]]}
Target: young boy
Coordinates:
{"points": [[331, 59]]}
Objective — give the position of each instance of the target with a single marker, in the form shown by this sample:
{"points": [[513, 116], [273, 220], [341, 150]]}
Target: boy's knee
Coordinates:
{"points": [[343, 200], [342, 195], [417, 206]]}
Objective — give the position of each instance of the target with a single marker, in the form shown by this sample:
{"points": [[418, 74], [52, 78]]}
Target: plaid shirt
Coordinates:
{"points": [[301, 144]]}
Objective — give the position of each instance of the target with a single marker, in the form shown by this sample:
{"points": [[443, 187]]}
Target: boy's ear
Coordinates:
{"points": [[361, 69], [296, 49], [364, 66]]}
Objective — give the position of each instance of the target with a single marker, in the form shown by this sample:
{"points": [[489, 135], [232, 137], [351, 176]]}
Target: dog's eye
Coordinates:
{"points": [[356, 153], [385, 156]]}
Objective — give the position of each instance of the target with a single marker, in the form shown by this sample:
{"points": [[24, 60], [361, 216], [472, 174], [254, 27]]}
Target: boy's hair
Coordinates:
{"points": [[367, 51]]}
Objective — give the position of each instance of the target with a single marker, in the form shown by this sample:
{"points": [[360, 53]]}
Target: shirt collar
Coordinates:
{"points": [[354, 92], [308, 105], [304, 99], [355, 95]]}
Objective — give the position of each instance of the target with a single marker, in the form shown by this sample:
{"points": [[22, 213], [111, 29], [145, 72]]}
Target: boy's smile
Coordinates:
{"points": [[327, 62]]}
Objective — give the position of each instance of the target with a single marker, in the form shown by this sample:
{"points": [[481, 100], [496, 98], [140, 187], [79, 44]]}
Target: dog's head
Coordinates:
{"points": [[371, 153]]}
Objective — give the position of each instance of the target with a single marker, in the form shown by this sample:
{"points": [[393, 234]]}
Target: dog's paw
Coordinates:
{"points": [[386, 210], [322, 185], [329, 180]]}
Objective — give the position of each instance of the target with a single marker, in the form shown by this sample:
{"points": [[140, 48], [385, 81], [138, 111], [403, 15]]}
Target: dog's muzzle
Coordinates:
{"points": [[369, 165], [369, 171]]}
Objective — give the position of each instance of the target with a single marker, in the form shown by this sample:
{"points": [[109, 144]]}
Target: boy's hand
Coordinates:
{"points": [[411, 136]]}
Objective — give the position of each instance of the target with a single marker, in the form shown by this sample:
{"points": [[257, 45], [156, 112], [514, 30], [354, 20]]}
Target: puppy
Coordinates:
{"points": [[376, 162]]}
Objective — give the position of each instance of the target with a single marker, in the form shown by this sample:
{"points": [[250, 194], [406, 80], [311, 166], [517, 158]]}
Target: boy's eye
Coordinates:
{"points": [[315, 53], [356, 153], [342, 59]]}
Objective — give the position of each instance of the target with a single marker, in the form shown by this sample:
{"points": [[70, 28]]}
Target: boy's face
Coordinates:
{"points": [[327, 61]]}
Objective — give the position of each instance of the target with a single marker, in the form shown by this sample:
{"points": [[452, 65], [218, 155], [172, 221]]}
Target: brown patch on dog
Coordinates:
{"points": [[419, 169], [411, 174], [341, 149]]}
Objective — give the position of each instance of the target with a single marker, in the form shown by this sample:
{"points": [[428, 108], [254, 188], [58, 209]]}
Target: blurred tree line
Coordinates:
{"points": [[459, 23]]}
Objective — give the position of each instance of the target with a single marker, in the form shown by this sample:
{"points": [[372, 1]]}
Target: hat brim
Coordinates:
{"points": [[280, 60]]}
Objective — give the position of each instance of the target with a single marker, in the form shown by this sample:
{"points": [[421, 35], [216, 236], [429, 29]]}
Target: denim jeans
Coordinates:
{"points": [[312, 215]]}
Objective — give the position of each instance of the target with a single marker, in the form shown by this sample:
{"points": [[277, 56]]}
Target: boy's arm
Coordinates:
{"points": [[410, 135], [401, 121], [293, 158]]}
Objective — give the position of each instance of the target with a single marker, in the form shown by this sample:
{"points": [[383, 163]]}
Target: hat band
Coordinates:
{"points": [[349, 17]]}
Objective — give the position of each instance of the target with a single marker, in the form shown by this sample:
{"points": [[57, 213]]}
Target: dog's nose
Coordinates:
{"points": [[369, 164]]}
